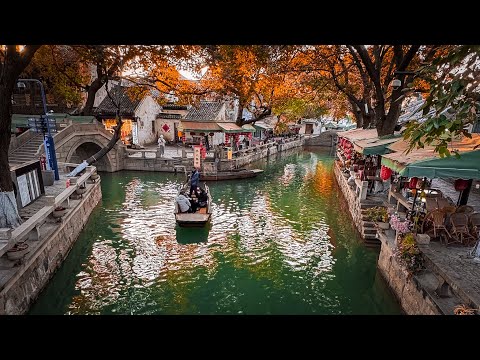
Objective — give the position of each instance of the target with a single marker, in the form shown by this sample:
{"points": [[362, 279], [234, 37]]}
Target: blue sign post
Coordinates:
{"points": [[45, 126]]}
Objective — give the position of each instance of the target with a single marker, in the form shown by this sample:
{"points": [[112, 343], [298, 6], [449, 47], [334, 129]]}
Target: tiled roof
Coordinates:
{"points": [[126, 103], [168, 116], [206, 111], [175, 107]]}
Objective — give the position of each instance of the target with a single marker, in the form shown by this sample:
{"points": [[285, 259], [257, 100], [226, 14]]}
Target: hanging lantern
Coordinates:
{"points": [[461, 184], [202, 134], [385, 173], [192, 133], [413, 183], [211, 134]]}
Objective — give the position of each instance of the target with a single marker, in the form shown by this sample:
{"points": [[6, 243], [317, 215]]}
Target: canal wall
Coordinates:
{"points": [[355, 195], [432, 291], [21, 281], [325, 139], [150, 160], [412, 295]]}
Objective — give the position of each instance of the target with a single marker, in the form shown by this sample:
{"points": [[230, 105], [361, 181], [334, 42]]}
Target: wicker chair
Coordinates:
{"points": [[475, 224], [437, 219], [460, 231], [466, 209]]}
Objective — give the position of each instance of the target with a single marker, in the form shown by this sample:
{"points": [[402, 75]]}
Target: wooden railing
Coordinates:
{"points": [[30, 228]]}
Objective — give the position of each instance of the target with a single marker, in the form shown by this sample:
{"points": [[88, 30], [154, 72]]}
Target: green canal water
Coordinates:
{"points": [[281, 243]]}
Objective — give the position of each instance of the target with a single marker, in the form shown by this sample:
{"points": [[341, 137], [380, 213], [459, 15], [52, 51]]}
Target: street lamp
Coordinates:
{"points": [[48, 138]]}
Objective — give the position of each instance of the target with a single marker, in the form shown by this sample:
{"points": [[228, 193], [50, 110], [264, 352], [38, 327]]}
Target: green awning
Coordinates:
{"points": [[425, 162], [248, 128], [467, 166]]}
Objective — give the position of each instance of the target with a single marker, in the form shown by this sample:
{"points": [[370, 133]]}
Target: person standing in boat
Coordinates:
{"points": [[194, 181]]}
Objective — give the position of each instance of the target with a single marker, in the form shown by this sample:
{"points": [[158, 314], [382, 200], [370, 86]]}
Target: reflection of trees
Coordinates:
{"points": [[261, 256]]}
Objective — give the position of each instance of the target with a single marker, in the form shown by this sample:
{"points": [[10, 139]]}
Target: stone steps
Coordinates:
{"points": [[27, 151], [429, 282]]}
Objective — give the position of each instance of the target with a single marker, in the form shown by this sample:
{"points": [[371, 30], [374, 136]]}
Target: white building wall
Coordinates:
{"points": [[160, 127], [146, 113]]}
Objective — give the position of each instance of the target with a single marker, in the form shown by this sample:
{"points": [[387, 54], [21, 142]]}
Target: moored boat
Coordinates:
{"points": [[230, 175]]}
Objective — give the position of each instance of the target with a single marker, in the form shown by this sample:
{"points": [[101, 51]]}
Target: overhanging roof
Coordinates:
{"points": [[200, 126], [263, 125], [359, 134], [230, 127], [375, 146], [425, 162]]}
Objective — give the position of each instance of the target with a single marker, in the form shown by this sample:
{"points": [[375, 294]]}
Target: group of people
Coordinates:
{"points": [[189, 204]]}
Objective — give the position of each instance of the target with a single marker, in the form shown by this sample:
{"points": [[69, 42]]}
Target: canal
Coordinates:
{"points": [[281, 243]]}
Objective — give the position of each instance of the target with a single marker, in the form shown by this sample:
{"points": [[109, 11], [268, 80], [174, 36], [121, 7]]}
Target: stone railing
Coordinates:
{"points": [[29, 230], [17, 141]]}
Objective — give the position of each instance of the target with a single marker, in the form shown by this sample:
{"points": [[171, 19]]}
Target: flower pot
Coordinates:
{"points": [[383, 225], [422, 239], [17, 252], [94, 177], [59, 213]]}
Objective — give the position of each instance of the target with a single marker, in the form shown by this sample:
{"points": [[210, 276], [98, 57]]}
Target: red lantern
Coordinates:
{"points": [[202, 134], [211, 134], [413, 183], [192, 133], [461, 184], [385, 173]]}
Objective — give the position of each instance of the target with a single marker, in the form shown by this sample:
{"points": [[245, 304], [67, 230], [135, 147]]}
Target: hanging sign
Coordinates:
{"points": [[196, 156]]}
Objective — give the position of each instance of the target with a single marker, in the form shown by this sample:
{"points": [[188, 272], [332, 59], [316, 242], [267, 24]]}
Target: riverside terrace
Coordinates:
{"points": [[449, 274], [50, 228]]}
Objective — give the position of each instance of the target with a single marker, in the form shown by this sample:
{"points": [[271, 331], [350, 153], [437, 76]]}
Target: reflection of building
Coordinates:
{"points": [[138, 115]]}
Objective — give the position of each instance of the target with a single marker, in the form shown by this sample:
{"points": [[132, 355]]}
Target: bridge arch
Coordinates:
{"points": [[82, 149]]}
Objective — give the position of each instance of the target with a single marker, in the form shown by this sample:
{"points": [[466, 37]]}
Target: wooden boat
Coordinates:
{"points": [[198, 218], [230, 175]]}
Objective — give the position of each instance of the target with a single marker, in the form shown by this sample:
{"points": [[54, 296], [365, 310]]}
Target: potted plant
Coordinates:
{"points": [[17, 251], [379, 215], [408, 253], [59, 211]]}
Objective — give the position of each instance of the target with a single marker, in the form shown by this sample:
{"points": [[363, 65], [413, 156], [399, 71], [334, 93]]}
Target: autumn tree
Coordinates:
{"points": [[254, 75], [13, 60], [453, 102], [363, 75]]}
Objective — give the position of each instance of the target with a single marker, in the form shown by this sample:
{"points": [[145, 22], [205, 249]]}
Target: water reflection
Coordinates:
{"points": [[278, 244]]}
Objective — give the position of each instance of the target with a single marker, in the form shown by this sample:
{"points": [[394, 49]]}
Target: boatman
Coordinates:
{"points": [[194, 180]]}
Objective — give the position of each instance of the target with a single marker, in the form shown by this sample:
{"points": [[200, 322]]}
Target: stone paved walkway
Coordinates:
{"points": [[456, 266], [54, 190]]}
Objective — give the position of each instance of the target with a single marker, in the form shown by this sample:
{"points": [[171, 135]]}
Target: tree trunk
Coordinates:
{"points": [[92, 91], [102, 152], [9, 216], [5, 134], [239, 114], [386, 123]]}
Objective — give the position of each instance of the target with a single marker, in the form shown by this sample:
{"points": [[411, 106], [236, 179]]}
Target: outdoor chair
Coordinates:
{"points": [[475, 224], [437, 219], [467, 209], [431, 204], [442, 202], [460, 231]]}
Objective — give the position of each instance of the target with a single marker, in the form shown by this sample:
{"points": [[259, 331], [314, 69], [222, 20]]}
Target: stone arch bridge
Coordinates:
{"points": [[77, 142]]}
